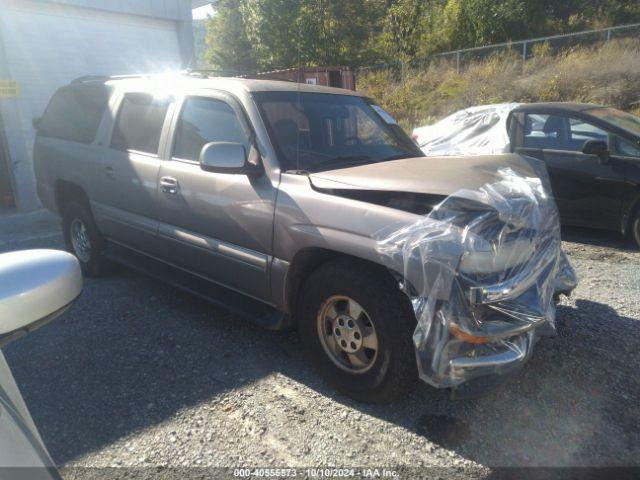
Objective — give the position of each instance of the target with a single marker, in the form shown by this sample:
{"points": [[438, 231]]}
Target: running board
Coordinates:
{"points": [[236, 303]]}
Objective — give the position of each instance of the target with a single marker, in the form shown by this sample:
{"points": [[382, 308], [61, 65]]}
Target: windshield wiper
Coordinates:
{"points": [[344, 162]]}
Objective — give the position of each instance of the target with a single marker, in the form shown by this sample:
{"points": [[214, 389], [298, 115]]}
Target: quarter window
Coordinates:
{"points": [[139, 123], [74, 113], [206, 120]]}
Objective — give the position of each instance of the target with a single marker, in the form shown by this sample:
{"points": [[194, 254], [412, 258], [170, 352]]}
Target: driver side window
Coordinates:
{"points": [[556, 132], [205, 120]]}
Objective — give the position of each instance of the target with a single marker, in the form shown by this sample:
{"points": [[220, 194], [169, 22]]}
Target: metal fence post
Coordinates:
{"points": [[524, 52], [608, 34], [458, 61]]}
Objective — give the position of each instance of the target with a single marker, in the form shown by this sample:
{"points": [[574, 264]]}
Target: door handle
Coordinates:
{"points": [[169, 185], [109, 172]]}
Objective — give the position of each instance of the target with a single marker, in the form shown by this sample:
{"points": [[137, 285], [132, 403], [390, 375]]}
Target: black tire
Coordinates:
{"points": [[393, 369], [93, 265], [635, 227]]}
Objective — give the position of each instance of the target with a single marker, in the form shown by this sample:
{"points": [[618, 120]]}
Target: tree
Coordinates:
{"points": [[228, 46], [272, 29], [469, 23], [403, 33], [250, 35]]}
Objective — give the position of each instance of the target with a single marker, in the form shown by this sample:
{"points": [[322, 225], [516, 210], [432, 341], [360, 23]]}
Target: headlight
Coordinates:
{"points": [[503, 258]]}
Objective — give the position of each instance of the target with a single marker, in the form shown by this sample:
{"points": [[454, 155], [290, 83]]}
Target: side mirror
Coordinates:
{"points": [[35, 287], [226, 157], [596, 147]]}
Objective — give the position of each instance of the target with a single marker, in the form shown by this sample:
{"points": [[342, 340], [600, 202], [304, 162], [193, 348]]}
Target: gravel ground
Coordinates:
{"points": [[137, 374]]}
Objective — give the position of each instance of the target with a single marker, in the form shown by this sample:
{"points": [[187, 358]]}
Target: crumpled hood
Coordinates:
{"points": [[433, 175]]}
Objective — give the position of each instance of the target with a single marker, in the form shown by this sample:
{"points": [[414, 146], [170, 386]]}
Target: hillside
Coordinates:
{"points": [[607, 74]]}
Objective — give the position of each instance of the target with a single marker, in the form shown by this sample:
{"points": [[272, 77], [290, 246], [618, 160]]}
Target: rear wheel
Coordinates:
{"points": [[357, 326], [82, 238]]}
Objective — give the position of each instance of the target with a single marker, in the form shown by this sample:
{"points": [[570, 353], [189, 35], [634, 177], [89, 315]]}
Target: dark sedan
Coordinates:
{"points": [[592, 154]]}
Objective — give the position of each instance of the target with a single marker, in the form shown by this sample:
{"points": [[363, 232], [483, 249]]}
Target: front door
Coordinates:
{"points": [[217, 225], [128, 176], [587, 189]]}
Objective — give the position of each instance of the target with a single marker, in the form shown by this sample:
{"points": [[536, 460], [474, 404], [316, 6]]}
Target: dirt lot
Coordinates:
{"points": [[138, 374]]}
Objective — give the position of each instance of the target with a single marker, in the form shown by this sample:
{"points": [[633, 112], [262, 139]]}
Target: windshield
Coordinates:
{"points": [[320, 131], [620, 119]]}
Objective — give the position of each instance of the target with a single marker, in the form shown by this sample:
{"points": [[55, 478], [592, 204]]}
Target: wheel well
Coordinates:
{"points": [[67, 192], [307, 261], [631, 212]]}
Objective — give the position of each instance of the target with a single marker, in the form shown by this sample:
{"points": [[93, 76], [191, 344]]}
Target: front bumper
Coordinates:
{"points": [[483, 271], [506, 358], [520, 313]]}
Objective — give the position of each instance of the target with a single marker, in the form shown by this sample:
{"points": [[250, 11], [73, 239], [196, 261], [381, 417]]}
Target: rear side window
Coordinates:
{"points": [[139, 123], [74, 113], [205, 120]]}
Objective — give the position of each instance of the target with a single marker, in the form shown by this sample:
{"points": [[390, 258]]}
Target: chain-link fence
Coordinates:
{"points": [[525, 48]]}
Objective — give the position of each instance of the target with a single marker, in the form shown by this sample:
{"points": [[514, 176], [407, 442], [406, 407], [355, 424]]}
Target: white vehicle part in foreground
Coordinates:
{"points": [[474, 131], [35, 284], [482, 270]]}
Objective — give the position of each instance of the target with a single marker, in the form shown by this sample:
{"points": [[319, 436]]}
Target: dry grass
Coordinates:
{"points": [[608, 74]]}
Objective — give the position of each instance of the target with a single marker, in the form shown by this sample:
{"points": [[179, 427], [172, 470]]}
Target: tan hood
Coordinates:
{"points": [[432, 175]]}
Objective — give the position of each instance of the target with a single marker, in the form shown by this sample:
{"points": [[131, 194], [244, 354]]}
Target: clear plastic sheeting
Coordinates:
{"points": [[474, 131], [482, 270]]}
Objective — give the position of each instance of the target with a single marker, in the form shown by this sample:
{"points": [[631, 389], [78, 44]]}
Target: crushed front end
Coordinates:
{"points": [[483, 271]]}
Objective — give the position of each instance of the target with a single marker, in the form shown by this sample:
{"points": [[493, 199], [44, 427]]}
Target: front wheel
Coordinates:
{"points": [[635, 227], [82, 238], [357, 326]]}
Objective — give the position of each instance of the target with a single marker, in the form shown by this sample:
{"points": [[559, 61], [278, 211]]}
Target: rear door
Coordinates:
{"points": [[217, 225], [587, 190], [126, 204]]}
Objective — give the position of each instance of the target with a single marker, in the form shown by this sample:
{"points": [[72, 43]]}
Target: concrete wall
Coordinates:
{"points": [[46, 44]]}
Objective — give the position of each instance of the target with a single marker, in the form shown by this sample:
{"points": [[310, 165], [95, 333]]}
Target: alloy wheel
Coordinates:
{"points": [[80, 240], [347, 334]]}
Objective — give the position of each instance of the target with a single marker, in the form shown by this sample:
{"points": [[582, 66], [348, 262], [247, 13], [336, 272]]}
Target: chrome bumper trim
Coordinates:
{"points": [[507, 290], [498, 363]]}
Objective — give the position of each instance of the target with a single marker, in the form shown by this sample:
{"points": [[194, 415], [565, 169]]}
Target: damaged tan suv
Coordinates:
{"points": [[301, 205]]}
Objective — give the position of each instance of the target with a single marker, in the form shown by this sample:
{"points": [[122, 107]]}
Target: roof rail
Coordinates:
{"points": [[206, 73], [89, 78], [104, 78]]}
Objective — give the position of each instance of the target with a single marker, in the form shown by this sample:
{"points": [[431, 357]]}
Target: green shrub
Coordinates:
{"points": [[608, 74]]}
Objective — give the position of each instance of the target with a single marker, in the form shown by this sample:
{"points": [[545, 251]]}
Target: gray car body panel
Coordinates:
{"points": [[241, 232]]}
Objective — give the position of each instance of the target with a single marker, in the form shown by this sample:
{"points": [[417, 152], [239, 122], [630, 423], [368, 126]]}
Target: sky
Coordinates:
{"points": [[202, 12]]}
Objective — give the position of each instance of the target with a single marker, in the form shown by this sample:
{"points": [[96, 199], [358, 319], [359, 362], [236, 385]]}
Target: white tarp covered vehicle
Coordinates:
{"points": [[480, 130]]}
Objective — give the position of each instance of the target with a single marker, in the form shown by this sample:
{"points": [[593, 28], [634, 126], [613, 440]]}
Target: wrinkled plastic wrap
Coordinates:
{"points": [[482, 270], [474, 131]]}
